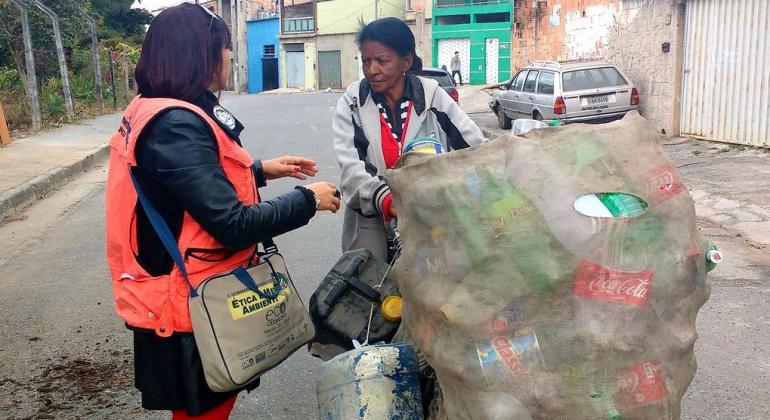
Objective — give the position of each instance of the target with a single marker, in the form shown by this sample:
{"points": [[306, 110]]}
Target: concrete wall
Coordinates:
{"points": [[310, 65], [349, 54], [423, 35], [240, 48], [310, 61], [345, 16], [628, 32], [424, 6]]}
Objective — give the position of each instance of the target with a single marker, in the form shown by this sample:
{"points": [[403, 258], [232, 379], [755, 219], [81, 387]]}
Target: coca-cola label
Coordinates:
{"points": [[641, 384], [597, 282], [662, 183]]}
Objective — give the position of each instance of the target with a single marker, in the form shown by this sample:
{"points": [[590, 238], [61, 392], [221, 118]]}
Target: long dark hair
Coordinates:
{"points": [[182, 53], [392, 33]]}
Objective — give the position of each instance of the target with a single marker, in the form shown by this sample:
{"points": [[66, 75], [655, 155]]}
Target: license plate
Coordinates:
{"points": [[593, 101], [596, 102]]}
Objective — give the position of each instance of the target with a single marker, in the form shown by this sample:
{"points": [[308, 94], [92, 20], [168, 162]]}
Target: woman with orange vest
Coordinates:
{"points": [[183, 150]]}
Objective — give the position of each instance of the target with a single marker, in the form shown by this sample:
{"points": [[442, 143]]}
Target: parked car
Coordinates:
{"points": [[571, 91], [444, 80]]}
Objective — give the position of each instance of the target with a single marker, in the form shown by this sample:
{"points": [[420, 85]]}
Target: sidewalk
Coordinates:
{"points": [[729, 183], [474, 100], [33, 166]]}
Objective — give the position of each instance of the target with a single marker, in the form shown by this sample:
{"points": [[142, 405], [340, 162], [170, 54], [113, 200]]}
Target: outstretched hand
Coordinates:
{"points": [[293, 166]]}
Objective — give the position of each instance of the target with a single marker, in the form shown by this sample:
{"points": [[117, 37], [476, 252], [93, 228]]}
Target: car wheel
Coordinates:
{"points": [[502, 120], [537, 116]]}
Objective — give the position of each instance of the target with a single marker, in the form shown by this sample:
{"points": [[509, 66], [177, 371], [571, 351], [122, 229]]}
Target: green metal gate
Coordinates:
{"points": [[329, 69]]}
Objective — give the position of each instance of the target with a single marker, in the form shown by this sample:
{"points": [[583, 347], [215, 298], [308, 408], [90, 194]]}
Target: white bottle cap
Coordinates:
{"points": [[715, 256]]}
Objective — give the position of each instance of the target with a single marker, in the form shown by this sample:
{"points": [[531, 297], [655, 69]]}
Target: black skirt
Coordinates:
{"points": [[169, 374]]}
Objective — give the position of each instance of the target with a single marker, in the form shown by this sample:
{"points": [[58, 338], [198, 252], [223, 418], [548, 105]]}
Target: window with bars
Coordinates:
{"points": [[269, 50]]}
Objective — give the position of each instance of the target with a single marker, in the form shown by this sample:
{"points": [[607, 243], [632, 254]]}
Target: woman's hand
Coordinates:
{"points": [[328, 194], [293, 166]]}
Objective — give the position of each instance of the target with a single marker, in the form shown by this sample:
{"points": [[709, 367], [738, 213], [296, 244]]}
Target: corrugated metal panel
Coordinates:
{"points": [[329, 69], [726, 74]]}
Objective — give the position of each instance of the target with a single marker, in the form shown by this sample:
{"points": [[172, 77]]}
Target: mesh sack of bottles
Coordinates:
{"points": [[527, 308]]}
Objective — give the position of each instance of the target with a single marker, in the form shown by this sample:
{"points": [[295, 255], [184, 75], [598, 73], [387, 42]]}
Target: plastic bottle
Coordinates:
{"points": [[520, 231], [713, 257], [622, 205], [603, 403]]}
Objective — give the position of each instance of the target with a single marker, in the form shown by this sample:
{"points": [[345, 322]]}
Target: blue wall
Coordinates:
{"points": [[260, 33]]}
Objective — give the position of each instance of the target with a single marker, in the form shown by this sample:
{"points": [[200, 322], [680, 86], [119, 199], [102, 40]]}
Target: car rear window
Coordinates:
{"points": [[597, 78], [441, 77]]}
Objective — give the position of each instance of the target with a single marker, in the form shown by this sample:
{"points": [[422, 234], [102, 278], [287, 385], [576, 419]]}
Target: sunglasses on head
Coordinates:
{"points": [[210, 13]]}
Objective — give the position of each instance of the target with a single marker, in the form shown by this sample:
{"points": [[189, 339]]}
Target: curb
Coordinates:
{"points": [[19, 197]]}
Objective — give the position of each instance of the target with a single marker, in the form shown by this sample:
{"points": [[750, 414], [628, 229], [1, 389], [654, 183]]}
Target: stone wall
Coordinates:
{"points": [[630, 33]]}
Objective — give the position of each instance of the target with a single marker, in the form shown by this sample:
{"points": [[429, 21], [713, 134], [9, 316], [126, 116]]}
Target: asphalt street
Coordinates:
{"points": [[65, 354]]}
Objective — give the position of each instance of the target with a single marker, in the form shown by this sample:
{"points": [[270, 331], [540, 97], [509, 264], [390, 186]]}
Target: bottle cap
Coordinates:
{"points": [[391, 308], [714, 256]]}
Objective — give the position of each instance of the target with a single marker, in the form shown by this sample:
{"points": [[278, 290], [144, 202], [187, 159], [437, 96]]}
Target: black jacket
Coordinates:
{"points": [[178, 168]]}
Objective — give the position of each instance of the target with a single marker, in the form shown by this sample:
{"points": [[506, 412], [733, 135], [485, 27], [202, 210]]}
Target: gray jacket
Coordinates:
{"points": [[455, 64], [358, 146]]}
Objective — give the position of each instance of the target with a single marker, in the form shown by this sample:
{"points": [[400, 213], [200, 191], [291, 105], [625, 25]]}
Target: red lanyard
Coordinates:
{"points": [[386, 128]]}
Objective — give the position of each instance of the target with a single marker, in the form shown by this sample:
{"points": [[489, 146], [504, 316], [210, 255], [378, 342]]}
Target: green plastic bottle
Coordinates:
{"points": [[622, 205], [607, 408], [522, 234], [713, 257]]}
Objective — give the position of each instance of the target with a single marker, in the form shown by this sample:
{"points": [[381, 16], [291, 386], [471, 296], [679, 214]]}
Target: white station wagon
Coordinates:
{"points": [[593, 91]]}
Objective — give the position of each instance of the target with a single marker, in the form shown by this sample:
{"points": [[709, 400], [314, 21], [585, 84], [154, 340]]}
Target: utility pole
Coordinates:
{"points": [[236, 36], [97, 61], [376, 9], [65, 80], [32, 95], [112, 82]]}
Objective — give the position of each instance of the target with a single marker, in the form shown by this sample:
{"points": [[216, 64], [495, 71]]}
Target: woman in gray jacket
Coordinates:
{"points": [[376, 117]]}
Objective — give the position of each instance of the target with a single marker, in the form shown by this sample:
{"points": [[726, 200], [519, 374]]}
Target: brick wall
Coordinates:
{"points": [[628, 32]]}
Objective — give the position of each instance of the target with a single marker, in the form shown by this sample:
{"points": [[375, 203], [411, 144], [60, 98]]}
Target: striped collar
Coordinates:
{"points": [[403, 117]]}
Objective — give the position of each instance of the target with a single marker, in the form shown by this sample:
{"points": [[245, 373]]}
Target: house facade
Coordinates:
{"points": [[298, 45], [480, 30], [339, 21], [700, 66], [264, 52]]}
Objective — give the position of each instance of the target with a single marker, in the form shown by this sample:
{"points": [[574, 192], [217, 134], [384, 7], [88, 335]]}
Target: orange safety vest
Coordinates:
{"points": [[160, 303]]}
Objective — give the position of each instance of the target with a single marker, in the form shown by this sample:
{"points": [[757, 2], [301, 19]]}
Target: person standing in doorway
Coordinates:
{"points": [[455, 65]]}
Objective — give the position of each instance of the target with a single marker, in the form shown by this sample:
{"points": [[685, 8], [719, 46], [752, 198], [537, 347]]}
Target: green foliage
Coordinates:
{"points": [[52, 98], [83, 90], [9, 80], [120, 29], [119, 19], [12, 97], [82, 62]]}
